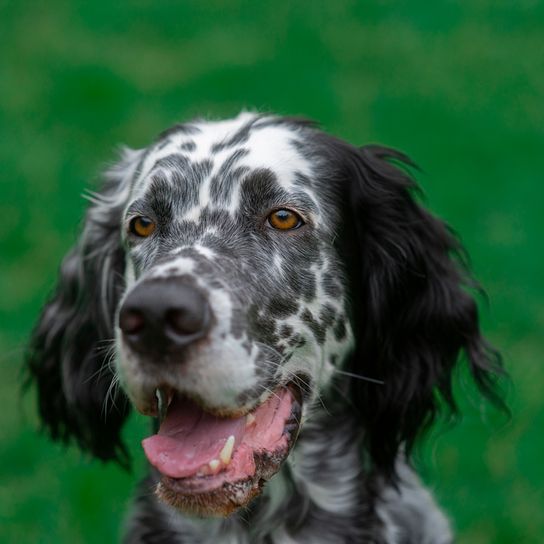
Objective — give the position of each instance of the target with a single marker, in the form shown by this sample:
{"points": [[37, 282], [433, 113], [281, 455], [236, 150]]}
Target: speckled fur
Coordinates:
{"points": [[210, 187], [364, 307]]}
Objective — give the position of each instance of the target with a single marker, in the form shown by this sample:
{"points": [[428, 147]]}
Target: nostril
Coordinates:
{"points": [[162, 317], [131, 321], [183, 321]]}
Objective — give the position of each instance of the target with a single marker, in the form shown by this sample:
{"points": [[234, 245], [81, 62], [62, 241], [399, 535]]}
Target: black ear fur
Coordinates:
{"points": [[68, 356], [413, 312]]}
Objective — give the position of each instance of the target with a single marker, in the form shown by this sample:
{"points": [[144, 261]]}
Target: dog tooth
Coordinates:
{"points": [[162, 403], [214, 465], [226, 453], [250, 420]]}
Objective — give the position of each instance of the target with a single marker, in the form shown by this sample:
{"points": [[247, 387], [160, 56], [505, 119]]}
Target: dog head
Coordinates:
{"points": [[244, 268]]}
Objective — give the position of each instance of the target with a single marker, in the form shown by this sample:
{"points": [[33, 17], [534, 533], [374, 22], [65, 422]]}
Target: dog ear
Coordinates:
{"points": [[413, 311], [71, 349]]}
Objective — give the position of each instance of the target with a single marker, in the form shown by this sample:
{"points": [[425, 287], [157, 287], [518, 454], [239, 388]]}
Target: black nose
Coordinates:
{"points": [[162, 316]]}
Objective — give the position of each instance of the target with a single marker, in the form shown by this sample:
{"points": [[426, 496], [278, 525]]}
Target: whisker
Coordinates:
{"points": [[111, 394], [267, 389], [109, 354], [347, 398], [289, 372], [112, 389], [359, 376], [105, 341]]}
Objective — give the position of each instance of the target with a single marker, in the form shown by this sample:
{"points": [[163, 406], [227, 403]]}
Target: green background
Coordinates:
{"points": [[459, 86]]}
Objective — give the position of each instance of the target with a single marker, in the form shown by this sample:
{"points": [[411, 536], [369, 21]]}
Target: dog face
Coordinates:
{"points": [[243, 221], [246, 268], [234, 298]]}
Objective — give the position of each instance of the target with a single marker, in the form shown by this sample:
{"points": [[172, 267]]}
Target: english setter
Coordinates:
{"points": [[289, 315]]}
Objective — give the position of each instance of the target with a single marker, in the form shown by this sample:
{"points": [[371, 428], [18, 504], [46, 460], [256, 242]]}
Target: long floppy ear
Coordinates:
{"points": [[413, 311], [71, 346]]}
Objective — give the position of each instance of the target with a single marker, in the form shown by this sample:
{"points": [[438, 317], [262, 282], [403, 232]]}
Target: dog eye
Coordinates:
{"points": [[141, 226], [285, 220]]}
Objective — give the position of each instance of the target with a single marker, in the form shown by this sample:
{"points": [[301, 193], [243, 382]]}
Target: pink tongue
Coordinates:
{"points": [[189, 438]]}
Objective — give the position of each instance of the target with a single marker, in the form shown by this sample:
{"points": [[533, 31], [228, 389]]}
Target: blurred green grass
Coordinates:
{"points": [[459, 86]]}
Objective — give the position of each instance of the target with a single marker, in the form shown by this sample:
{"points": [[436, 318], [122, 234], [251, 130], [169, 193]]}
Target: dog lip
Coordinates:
{"points": [[150, 405], [221, 493]]}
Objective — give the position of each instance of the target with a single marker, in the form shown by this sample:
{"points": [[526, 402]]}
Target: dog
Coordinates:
{"points": [[287, 313]]}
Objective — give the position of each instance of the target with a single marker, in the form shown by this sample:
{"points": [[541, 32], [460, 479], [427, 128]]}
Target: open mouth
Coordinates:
{"points": [[212, 465]]}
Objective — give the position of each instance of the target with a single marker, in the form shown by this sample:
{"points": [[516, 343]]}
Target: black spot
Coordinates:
{"points": [[201, 170], [240, 137], [309, 287], [185, 178], [286, 331], [232, 159], [340, 329], [222, 183], [176, 181], [176, 129], [317, 330], [172, 162], [186, 279], [188, 146], [327, 315], [301, 281], [331, 286], [159, 199], [162, 145], [288, 121], [282, 307], [297, 341], [259, 187], [214, 283]]}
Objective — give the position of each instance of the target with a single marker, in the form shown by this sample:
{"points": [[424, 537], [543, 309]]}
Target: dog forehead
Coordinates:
{"points": [[246, 143]]}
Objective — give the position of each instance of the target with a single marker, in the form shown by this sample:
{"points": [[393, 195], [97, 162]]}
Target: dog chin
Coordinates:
{"points": [[220, 501]]}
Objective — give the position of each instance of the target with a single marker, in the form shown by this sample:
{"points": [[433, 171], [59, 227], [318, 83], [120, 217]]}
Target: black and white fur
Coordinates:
{"points": [[372, 286]]}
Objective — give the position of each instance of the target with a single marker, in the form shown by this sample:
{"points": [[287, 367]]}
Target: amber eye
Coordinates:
{"points": [[141, 226], [285, 220]]}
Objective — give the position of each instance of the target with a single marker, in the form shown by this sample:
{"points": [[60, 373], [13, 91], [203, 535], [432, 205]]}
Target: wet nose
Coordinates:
{"points": [[162, 316]]}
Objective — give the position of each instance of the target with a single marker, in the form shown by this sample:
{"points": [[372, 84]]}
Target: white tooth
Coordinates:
{"points": [[250, 420], [214, 465], [226, 453]]}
